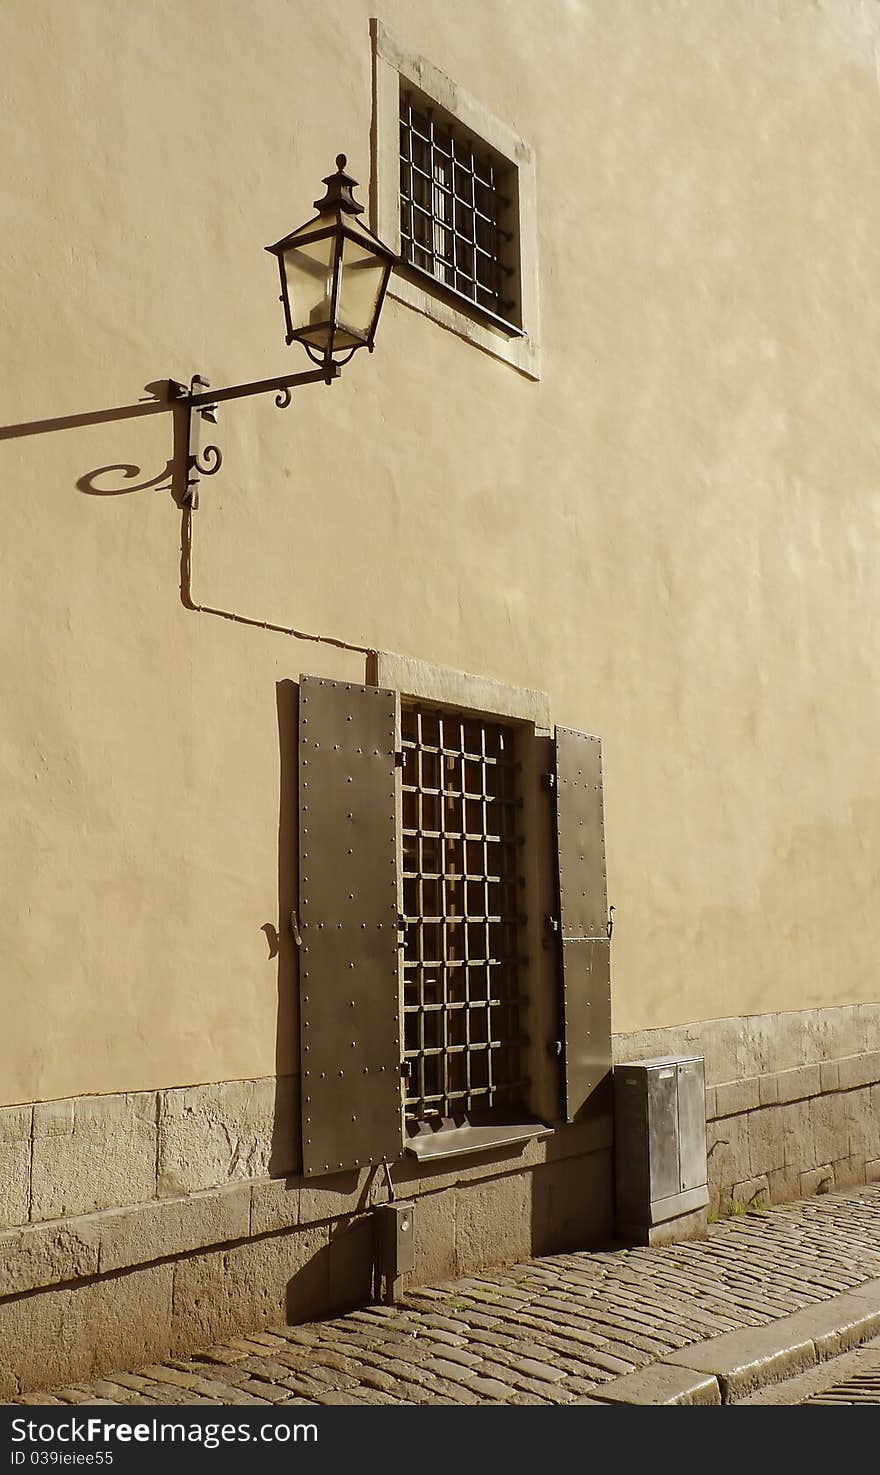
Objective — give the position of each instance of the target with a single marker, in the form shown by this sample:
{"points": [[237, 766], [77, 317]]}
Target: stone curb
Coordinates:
{"points": [[727, 1368]]}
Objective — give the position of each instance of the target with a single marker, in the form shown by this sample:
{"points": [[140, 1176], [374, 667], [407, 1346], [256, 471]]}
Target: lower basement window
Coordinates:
{"points": [[463, 998]]}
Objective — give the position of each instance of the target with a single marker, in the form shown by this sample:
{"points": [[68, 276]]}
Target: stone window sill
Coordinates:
{"points": [[481, 1134]]}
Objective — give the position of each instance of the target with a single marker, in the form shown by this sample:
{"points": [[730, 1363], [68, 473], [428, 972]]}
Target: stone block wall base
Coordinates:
{"points": [[684, 1226], [163, 1295], [792, 1100]]}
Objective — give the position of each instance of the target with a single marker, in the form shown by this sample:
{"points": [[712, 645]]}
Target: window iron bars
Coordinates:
{"points": [[463, 1004], [451, 203]]}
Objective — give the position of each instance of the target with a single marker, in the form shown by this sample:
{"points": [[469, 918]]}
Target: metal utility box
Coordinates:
{"points": [[660, 1148], [394, 1238]]}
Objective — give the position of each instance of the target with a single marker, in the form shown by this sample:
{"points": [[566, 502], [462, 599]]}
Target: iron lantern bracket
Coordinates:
{"points": [[199, 402]]}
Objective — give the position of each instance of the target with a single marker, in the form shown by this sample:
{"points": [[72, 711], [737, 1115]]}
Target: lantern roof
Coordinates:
{"points": [[338, 210]]}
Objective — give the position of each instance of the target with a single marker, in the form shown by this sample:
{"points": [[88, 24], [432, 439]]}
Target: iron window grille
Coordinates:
{"points": [[462, 1001], [456, 197]]}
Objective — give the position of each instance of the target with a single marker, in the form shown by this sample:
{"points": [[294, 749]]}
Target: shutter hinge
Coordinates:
{"points": [[549, 781], [293, 921], [554, 1048], [398, 757], [551, 931]]}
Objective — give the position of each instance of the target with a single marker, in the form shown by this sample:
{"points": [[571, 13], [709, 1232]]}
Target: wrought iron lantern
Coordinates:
{"points": [[334, 275]]}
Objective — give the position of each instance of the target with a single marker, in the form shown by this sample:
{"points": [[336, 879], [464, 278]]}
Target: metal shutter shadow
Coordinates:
{"points": [[583, 918], [349, 958]]}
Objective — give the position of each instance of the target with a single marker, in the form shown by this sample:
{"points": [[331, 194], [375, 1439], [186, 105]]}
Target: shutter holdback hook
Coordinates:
{"points": [[391, 1192]]}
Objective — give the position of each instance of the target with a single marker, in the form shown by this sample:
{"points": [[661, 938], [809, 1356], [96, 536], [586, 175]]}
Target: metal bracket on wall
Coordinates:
{"points": [[195, 467], [200, 403]]}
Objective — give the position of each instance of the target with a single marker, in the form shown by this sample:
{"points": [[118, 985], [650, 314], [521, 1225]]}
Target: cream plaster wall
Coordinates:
{"points": [[673, 533]]}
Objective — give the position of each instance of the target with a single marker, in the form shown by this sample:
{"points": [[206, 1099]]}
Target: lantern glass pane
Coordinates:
{"points": [[308, 271], [363, 273]]}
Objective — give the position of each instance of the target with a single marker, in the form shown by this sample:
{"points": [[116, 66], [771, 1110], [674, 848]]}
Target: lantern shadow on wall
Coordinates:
{"points": [[334, 275]]}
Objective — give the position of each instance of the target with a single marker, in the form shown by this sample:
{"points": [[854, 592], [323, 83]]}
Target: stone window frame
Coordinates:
{"points": [[529, 711], [395, 64]]}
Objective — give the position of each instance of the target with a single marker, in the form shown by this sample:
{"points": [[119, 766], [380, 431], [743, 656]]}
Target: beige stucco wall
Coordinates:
{"points": [[673, 533]]}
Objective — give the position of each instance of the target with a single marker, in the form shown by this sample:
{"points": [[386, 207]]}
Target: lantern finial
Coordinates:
{"points": [[339, 191]]}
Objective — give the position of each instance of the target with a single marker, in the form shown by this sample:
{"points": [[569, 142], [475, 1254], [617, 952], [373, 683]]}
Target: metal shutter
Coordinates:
{"points": [[349, 907], [583, 918]]}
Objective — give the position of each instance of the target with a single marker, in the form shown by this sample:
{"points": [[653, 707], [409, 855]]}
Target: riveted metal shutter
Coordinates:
{"points": [[349, 907], [583, 918]]}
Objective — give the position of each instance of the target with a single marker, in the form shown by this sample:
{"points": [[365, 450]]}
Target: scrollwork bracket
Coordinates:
{"points": [[199, 402], [199, 462]]}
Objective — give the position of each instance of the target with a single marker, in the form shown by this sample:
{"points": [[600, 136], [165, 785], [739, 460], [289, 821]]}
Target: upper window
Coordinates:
{"points": [[457, 215], [453, 192]]}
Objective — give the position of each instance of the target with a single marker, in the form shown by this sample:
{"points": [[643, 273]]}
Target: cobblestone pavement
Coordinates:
{"points": [[548, 1331]]}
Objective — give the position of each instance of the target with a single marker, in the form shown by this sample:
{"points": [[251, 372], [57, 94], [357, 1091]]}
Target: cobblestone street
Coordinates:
{"points": [[552, 1331]]}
